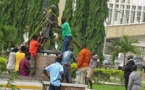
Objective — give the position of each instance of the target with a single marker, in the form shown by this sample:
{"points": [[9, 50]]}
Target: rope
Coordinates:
{"points": [[42, 22]]}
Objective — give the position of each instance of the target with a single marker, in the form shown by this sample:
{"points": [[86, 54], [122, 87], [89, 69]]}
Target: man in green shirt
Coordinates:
{"points": [[66, 34]]}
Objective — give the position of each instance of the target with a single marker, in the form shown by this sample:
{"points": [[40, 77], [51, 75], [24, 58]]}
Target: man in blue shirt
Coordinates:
{"points": [[66, 61], [55, 73]]}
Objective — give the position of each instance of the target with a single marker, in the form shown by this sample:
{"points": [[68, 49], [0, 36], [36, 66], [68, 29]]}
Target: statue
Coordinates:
{"points": [[47, 32]]}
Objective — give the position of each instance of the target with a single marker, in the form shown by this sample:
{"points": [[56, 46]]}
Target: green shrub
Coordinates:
{"points": [[3, 62], [73, 67], [101, 74], [105, 74]]}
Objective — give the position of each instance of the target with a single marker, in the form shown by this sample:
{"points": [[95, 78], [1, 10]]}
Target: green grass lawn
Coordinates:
{"points": [[111, 87]]}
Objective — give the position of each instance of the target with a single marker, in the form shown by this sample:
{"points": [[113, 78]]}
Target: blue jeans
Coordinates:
{"points": [[67, 75], [65, 43], [52, 87]]}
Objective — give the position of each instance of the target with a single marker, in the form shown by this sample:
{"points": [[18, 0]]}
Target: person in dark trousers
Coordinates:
{"points": [[68, 56], [127, 69], [55, 74], [33, 47], [66, 34]]}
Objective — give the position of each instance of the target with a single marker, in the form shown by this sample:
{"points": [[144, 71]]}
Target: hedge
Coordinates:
{"points": [[101, 74], [3, 62]]}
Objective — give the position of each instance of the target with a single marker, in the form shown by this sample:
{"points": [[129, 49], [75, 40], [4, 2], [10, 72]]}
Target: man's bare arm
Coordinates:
{"points": [[62, 76], [73, 57], [45, 72], [56, 25]]}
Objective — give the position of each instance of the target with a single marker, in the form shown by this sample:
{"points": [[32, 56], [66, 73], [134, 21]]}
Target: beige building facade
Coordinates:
{"points": [[126, 17]]}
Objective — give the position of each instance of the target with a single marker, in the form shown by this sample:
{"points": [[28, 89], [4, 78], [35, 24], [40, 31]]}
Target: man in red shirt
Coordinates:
{"points": [[33, 46], [24, 68], [83, 62]]}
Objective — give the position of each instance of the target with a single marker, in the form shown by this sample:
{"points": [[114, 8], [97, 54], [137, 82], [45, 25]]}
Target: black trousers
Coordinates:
{"points": [[52, 87], [126, 82]]}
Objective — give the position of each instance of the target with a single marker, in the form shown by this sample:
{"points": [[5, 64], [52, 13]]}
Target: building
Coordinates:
{"points": [[126, 17]]}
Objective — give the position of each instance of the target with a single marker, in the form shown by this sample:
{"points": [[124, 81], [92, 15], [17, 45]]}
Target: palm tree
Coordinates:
{"points": [[124, 45]]}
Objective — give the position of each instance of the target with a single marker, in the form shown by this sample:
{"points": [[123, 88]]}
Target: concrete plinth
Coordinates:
{"points": [[41, 62]]}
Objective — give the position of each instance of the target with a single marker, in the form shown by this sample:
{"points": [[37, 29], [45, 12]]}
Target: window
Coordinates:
{"points": [[110, 16], [138, 16], [127, 16], [117, 6], [139, 7], [117, 1], [143, 16], [132, 16], [110, 5], [128, 7], [116, 14], [128, 1], [133, 7], [122, 7], [122, 1]]}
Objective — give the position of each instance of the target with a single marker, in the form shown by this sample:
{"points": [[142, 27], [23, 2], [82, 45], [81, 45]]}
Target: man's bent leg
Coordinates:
{"points": [[68, 77], [66, 74], [88, 77], [83, 74], [65, 43], [126, 82], [33, 65]]}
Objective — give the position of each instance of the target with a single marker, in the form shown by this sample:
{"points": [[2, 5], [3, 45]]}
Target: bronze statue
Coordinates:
{"points": [[47, 32]]}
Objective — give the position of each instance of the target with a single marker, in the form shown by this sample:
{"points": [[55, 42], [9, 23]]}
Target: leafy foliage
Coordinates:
{"points": [[101, 74], [10, 86], [105, 74], [24, 15], [13, 76], [87, 23], [68, 12], [7, 34], [3, 62], [73, 67], [98, 12]]}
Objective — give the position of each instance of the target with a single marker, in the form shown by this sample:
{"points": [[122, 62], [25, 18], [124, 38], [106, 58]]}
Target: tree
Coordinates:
{"points": [[98, 12], [68, 11], [23, 15], [7, 34], [87, 23], [124, 45]]}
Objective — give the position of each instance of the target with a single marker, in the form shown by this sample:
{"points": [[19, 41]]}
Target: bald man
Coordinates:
{"points": [[127, 69]]}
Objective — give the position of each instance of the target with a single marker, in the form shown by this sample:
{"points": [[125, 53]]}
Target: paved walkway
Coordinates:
{"points": [[36, 84]]}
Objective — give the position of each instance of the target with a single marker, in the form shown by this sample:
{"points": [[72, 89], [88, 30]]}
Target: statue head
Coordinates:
{"points": [[44, 12], [53, 8]]}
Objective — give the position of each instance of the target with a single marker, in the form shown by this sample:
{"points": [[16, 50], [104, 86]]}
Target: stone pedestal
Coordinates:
{"points": [[41, 62]]}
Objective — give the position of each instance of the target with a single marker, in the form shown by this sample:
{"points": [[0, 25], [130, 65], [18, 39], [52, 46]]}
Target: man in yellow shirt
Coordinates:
{"points": [[19, 56]]}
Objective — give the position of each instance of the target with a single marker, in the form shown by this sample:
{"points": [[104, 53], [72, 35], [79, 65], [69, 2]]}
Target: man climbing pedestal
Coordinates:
{"points": [[66, 34]]}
